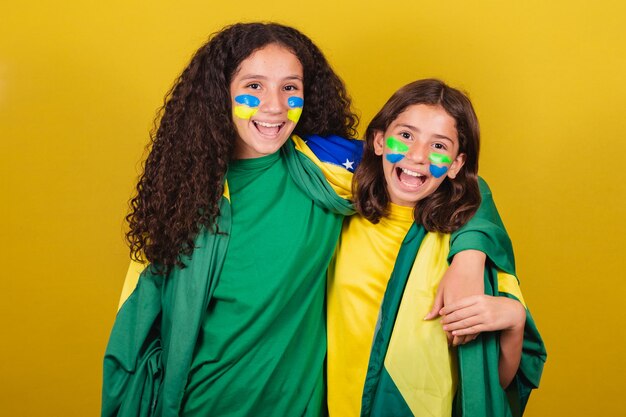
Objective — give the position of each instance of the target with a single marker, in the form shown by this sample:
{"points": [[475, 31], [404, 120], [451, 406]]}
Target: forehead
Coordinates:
{"points": [[270, 60], [427, 119]]}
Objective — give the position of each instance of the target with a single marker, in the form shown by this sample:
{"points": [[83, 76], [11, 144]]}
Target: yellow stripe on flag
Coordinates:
{"points": [[418, 359], [130, 282], [508, 283]]}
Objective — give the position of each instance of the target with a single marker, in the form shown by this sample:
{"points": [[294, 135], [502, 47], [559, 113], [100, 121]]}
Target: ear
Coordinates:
{"points": [[379, 142], [456, 166]]}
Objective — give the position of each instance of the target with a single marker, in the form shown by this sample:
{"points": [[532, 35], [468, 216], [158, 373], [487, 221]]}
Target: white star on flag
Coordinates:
{"points": [[348, 164]]}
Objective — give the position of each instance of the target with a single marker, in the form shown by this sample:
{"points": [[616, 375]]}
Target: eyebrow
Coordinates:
{"points": [[415, 129]]}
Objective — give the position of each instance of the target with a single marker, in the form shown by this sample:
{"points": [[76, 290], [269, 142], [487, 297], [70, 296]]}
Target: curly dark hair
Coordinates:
{"points": [[456, 200], [193, 140]]}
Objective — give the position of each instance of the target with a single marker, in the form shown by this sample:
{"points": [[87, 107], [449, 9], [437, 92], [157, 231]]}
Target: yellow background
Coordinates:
{"points": [[79, 86]]}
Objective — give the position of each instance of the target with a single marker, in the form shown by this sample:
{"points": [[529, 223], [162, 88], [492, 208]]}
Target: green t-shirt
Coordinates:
{"points": [[262, 345]]}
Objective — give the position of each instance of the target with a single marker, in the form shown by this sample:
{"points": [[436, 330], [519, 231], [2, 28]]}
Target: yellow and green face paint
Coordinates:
{"points": [[398, 148], [295, 108], [247, 106], [439, 159]]}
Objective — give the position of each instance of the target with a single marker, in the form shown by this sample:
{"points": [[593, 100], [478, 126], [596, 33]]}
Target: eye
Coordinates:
{"points": [[291, 88], [254, 86], [440, 146], [405, 135]]}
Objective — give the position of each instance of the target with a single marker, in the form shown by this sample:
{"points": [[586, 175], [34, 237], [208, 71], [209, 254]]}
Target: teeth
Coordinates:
{"points": [[265, 124], [411, 173]]}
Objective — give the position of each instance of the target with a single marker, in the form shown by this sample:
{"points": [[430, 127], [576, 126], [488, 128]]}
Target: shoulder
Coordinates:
{"points": [[483, 186]]}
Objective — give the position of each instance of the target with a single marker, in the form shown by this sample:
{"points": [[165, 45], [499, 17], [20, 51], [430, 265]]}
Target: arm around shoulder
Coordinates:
{"points": [[485, 232]]}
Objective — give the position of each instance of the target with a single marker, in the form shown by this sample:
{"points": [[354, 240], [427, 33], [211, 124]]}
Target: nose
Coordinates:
{"points": [[417, 153], [271, 102]]}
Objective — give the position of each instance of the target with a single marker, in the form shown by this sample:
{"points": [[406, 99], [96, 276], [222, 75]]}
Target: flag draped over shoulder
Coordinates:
{"points": [[157, 328], [151, 345], [479, 393]]}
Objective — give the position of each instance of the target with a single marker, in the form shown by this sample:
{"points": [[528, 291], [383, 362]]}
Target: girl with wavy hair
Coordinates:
{"points": [[416, 189]]}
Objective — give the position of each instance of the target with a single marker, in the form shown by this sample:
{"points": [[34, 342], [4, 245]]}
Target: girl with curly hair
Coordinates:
{"points": [[230, 190], [416, 189]]}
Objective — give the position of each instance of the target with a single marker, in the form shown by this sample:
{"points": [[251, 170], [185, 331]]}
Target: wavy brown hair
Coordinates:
{"points": [[193, 141], [456, 200]]}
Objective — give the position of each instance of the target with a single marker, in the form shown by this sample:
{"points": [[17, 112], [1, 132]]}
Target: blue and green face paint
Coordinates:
{"points": [[398, 148], [246, 106], [439, 163], [295, 108], [437, 159]]}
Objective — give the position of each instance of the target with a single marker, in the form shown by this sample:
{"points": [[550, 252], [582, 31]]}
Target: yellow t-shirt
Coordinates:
{"points": [[358, 276], [420, 363]]}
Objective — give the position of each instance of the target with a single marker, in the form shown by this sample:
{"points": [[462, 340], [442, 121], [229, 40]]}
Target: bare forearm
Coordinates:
{"points": [[511, 341]]}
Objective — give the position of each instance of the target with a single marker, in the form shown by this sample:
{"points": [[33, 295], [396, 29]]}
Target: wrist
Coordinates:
{"points": [[519, 321]]}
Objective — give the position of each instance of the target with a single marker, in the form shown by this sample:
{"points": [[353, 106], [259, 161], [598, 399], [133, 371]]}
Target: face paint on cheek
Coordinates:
{"points": [[438, 159], [398, 148], [295, 108], [246, 106]]}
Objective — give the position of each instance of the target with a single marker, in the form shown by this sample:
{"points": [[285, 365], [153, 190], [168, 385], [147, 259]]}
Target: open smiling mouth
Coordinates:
{"points": [[268, 129], [410, 178]]}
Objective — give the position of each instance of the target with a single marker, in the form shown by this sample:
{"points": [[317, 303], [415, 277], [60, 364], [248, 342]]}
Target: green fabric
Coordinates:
{"points": [[151, 347], [479, 393], [534, 356], [262, 346], [387, 401], [156, 329]]}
